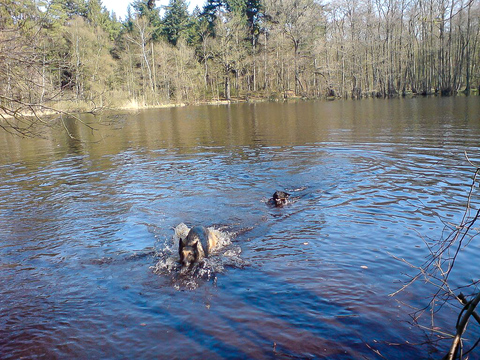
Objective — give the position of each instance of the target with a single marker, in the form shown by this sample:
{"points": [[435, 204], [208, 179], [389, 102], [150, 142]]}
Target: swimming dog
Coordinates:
{"points": [[279, 198], [198, 244]]}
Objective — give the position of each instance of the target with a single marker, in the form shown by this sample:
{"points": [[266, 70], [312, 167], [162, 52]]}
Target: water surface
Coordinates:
{"points": [[84, 224]]}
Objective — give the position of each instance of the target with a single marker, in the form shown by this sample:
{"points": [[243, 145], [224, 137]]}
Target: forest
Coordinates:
{"points": [[75, 54]]}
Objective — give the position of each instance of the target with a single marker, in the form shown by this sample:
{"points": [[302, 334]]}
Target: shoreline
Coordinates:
{"points": [[132, 106], [47, 111]]}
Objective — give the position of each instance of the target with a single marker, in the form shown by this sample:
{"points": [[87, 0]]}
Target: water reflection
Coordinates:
{"points": [[81, 220]]}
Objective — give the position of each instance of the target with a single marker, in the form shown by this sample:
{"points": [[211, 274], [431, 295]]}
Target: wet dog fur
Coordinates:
{"points": [[279, 198], [198, 244]]}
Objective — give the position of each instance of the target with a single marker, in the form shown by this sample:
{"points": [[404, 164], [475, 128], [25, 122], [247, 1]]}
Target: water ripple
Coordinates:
{"points": [[88, 261]]}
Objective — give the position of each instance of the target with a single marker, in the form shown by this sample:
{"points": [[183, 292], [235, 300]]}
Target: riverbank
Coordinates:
{"points": [[69, 108], [134, 105]]}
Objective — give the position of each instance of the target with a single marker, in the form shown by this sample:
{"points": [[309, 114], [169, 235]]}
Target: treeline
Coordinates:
{"points": [[76, 51]]}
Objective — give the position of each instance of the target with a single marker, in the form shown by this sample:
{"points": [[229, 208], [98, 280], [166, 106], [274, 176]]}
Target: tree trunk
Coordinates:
{"points": [[227, 86]]}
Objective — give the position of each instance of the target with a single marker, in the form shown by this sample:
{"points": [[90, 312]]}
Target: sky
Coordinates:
{"points": [[120, 6]]}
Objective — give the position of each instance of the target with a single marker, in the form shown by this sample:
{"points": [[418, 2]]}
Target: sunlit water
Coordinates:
{"points": [[89, 230]]}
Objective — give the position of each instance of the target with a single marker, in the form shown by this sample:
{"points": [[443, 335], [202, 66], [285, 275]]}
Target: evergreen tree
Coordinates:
{"points": [[198, 29], [94, 12], [146, 9], [254, 12], [67, 9], [176, 21], [211, 9], [98, 15], [250, 11]]}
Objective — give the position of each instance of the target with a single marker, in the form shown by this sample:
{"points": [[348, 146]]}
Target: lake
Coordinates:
{"points": [[88, 247]]}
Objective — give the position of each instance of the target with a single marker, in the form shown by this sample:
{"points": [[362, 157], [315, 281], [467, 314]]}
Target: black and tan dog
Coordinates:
{"points": [[279, 198], [198, 244]]}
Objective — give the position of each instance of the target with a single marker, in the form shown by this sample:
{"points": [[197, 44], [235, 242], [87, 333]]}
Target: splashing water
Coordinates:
{"points": [[225, 254]]}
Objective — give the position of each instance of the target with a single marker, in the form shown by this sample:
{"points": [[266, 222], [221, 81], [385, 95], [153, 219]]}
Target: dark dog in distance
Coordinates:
{"points": [[198, 244], [279, 198]]}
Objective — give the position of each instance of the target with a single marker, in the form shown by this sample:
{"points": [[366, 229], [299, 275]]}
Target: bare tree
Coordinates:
{"points": [[300, 21], [142, 38], [29, 91]]}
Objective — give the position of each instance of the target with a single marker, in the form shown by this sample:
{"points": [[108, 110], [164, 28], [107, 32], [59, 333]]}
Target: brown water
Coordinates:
{"points": [[87, 250]]}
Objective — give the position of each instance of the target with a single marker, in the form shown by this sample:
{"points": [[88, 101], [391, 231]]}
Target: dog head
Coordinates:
{"points": [[188, 255], [280, 198]]}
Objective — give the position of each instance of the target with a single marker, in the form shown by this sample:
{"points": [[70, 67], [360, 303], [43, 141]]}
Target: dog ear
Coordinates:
{"points": [[180, 247]]}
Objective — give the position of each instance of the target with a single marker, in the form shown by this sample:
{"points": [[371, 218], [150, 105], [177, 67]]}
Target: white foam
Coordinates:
{"points": [[225, 254]]}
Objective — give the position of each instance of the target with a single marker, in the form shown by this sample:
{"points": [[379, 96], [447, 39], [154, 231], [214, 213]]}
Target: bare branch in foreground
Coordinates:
{"points": [[438, 267], [28, 120]]}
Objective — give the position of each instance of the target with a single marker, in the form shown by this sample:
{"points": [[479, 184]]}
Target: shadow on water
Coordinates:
{"points": [[239, 318], [263, 324]]}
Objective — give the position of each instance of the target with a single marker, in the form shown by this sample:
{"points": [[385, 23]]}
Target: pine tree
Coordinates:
{"points": [[176, 21], [67, 9], [146, 9]]}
